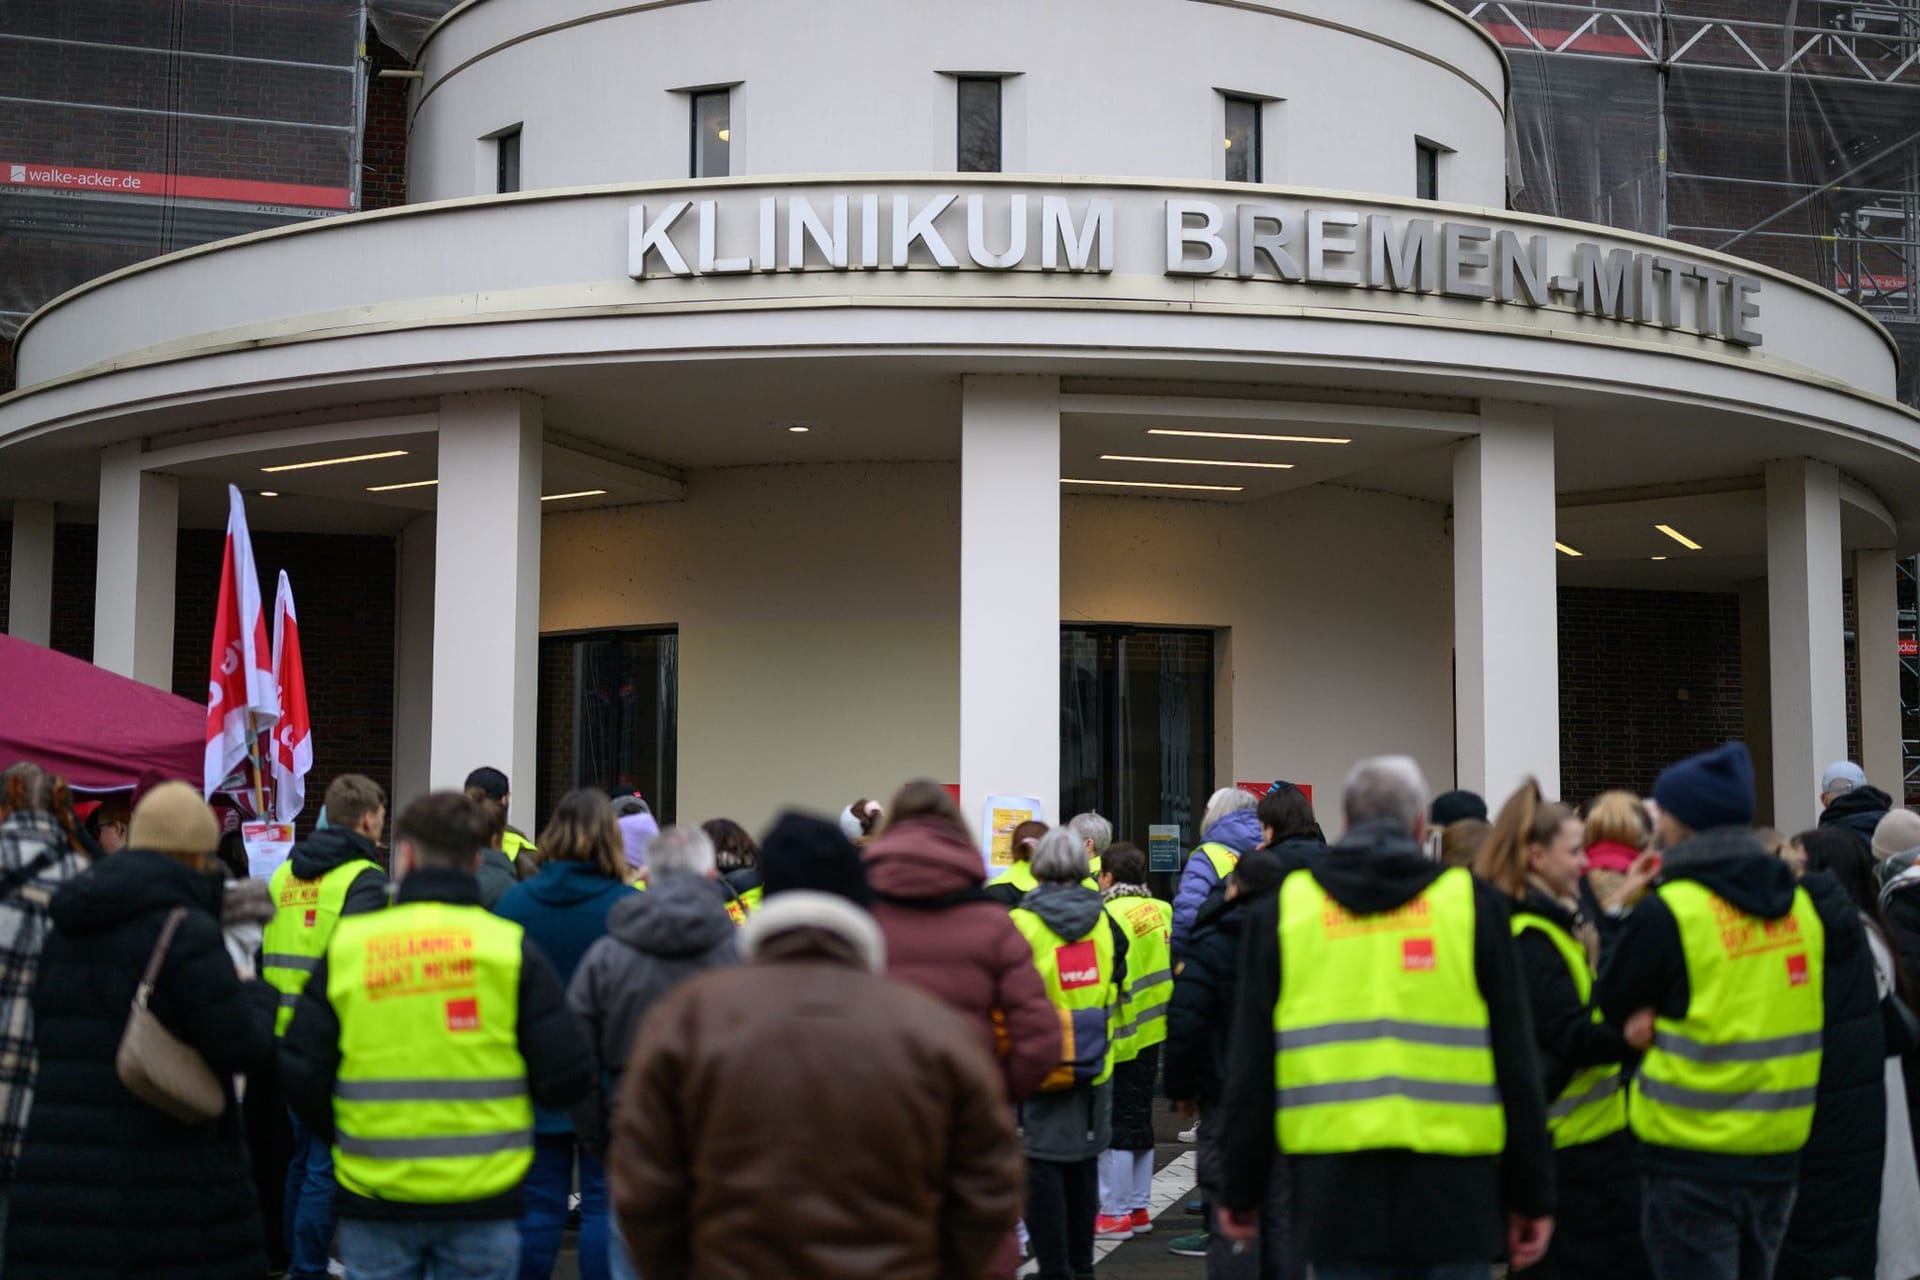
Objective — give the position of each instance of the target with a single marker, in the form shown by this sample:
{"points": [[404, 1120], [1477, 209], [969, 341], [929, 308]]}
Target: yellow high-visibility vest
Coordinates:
{"points": [[304, 915], [1080, 981], [1020, 876], [1594, 1103], [744, 904], [430, 1105], [1224, 859], [1380, 1035], [1147, 924], [1739, 1074]]}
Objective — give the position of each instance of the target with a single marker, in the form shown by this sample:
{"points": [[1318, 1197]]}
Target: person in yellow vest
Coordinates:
{"points": [[1018, 880], [1381, 1041], [1229, 828], [1096, 834], [332, 874], [738, 858], [1126, 1166], [1081, 954], [1535, 855], [514, 846], [418, 1050], [1719, 976]]}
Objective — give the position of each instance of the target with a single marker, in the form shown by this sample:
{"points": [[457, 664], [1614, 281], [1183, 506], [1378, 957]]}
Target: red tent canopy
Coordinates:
{"points": [[98, 730]]}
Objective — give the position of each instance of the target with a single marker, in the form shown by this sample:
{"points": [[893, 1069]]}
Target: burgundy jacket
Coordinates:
{"points": [[945, 939]]}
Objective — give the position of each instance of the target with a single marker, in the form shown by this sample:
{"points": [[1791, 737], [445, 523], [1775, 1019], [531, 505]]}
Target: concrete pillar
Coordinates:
{"points": [[413, 663], [134, 585], [1505, 606], [1876, 595], [30, 588], [1805, 633], [1756, 694], [486, 591], [1009, 590]]}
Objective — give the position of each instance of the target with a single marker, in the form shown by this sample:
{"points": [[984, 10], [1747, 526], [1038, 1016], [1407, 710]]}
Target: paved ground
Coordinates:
{"points": [[1142, 1258]]}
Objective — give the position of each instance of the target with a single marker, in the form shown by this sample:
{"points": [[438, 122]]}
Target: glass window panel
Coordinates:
{"points": [[712, 133], [1243, 140], [506, 162], [979, 113], [1427, 181], [609, 716]]}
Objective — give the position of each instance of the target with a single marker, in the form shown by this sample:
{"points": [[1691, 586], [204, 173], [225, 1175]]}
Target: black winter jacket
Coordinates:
{"points": [[1858, 810], [1836, 1216], [1200, 1015], [1390, 1206], [322, 851], [559, 1060], [107, 1185]]}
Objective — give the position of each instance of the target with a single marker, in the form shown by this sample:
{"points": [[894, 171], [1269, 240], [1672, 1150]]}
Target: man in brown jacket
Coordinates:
{"points": [[802, 1116]]}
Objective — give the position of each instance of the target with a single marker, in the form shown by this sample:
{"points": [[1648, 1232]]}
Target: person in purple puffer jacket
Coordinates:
{"points": [[1229, 829]]}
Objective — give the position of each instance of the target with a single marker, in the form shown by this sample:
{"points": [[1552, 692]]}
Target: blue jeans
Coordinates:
{"points": [[375, 1249], [307, 1214], [619, 1265], [1712, 1231], [1400, 1271], [548, 1183]]}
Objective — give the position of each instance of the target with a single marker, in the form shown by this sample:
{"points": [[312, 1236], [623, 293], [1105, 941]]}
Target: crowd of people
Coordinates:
{"points": [[1636, 1038]]}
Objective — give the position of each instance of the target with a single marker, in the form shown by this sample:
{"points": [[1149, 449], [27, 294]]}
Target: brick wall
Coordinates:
{"points": [[1646, 677], [344, 587], [383, 153]]}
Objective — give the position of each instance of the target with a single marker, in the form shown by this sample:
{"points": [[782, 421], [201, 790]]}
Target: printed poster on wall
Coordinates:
{"points": [[1163, 846], [268, 845], [1003, 814]]}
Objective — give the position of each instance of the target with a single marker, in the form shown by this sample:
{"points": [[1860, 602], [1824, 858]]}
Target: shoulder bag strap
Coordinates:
{"points": [[159, 956]]}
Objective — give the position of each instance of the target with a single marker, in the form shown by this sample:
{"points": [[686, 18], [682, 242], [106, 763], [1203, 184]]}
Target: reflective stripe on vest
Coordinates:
{"points": [[1380, 1034], [1147, 925], [740, 906], [430, 1105], [1592, 1106], [1079, 979], [1739, 1072], [304, 915], [1020, 876]]}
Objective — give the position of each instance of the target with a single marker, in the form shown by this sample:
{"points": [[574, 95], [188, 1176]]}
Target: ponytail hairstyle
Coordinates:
{"points": [[1525, 820], [29, 788], [1026, 839]]}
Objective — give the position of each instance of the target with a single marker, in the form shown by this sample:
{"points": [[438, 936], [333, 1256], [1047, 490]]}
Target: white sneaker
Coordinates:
{"points": [[1190, 1135]]}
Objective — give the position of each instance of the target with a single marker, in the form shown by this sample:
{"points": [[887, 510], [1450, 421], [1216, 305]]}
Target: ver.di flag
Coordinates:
{"points": [[293, 735], [241, 700]]}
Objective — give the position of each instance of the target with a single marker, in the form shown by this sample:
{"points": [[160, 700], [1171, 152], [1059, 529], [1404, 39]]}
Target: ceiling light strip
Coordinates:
{"points": [[335, 462], [1248, 435], [1678, 536], [1195, 462], [1158, 484], [582, 493], [411, 484], [1566, 550]]}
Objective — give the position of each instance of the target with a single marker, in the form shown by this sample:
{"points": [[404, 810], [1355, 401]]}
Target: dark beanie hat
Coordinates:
{"points": [[1454, 806], [803, 852], [1710, 790]]}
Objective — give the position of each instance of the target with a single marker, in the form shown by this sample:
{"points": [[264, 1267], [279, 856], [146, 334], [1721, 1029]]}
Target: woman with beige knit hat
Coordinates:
{"points": [[107, 1185]]}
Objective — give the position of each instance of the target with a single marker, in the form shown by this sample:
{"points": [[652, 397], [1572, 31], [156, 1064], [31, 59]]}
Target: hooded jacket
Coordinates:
{"points": [[1070, 1125], [36, 858], [1238, 831], [802, 1116], [654, 942], [108, 1186], [332, 847], [1858, 810], [558, 1060], [1647, 969], [1390, 1206], [947, 937]]}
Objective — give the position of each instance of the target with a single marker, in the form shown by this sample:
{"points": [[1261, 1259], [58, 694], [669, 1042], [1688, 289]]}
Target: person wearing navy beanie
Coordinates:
{"points": [[1751, 996]]}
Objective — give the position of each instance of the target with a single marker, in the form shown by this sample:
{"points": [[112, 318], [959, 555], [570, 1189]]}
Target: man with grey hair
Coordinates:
{"points": [[1381, 1034], [681, 851], [1096, 833]]}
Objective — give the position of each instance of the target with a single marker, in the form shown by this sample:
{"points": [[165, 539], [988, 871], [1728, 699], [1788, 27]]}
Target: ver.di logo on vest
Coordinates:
{"points": [[1079, 965], [463, 1015], [1416, 954]]}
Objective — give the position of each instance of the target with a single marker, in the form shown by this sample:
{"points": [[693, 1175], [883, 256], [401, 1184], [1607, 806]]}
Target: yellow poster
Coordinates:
{"points": [[1004, 813]]}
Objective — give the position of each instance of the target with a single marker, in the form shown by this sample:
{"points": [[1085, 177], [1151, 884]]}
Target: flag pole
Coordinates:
{"points": [[259, 774]]}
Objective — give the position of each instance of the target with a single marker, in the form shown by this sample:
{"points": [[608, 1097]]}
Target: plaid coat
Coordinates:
{"points": [[35, 859]]}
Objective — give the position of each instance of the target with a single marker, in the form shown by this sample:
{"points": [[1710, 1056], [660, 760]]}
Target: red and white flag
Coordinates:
{"points": [[293, 736], [241, 701]]}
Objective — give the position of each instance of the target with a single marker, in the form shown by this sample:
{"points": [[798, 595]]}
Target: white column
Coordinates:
{"points": [[1805, 634], [134, 585], [30, 585], [1009, 590], [1505, 607], [413, 663], [1878, 635], [486, 591]]}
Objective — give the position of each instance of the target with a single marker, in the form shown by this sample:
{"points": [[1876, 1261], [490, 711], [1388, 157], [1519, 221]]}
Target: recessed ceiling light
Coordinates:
{"points": [[798, 428], [269, 493], [582, 493], [1566, 550], [411, 484], [1195, 462], [1659, 557], [1155, 484], [1678, 536], [1248, 435], [334, 462]]}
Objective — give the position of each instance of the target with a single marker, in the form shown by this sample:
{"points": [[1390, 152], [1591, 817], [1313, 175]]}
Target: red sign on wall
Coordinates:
{"points": [[126, 182], [1909, 647], [1261, 788]]}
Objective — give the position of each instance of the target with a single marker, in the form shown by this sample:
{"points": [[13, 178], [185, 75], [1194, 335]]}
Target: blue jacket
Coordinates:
{"points": [[1238, 831], [564, 911]]}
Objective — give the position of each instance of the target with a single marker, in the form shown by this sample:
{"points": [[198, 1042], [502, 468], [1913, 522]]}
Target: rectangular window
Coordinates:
{"points": [[712, 134], [1243, 140], [1136, 727], [506, 161], [979, 114], [1427, 177], [610, 716]]}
